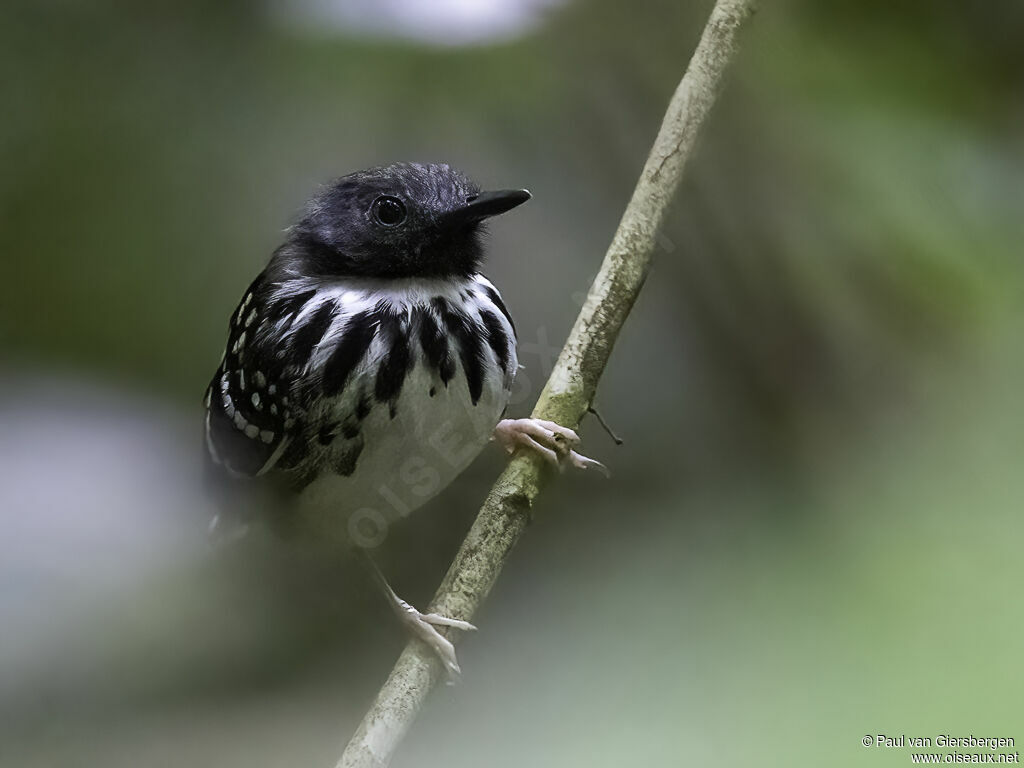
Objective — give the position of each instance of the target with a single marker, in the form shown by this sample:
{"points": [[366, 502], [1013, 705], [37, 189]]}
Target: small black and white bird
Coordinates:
{"points": [[369, 363]]}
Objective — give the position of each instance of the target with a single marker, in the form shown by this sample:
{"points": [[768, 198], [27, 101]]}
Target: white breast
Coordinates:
{"points": [[435, 433]]}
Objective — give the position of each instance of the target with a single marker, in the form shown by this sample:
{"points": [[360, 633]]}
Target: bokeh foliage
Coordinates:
{"points": [[813, 530]]}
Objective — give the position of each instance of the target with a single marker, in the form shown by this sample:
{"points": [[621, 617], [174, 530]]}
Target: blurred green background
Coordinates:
{"points": [[814, 527]]}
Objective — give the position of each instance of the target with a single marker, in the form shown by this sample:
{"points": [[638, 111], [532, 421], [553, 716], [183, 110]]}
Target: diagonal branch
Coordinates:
{"points": [[568, 393]]}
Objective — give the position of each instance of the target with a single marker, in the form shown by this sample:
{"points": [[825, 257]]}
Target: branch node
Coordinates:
{"points": [[600, 420]]}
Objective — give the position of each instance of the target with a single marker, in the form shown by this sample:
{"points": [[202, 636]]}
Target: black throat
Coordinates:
{"points": [[454, 254]]}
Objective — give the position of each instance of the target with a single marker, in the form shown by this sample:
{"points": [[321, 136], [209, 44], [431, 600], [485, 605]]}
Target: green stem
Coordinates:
{"points": [[569, 391]]}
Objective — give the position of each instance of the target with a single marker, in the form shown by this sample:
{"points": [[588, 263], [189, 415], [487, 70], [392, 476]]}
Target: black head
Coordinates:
{"points": [[401, 220]]}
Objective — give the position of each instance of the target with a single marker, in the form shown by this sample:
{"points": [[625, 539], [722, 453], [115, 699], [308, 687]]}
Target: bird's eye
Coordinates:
{"points": [[389, 211]]}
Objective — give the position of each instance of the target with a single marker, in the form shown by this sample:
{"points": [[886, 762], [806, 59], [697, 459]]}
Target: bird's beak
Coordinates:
{"points": [[485, 205]]}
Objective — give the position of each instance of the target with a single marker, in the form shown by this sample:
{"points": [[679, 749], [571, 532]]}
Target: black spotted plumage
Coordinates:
{"points": [[496, 300], [468, 337], [362, 407], [327, 432], [394, 365], [310, 333], [250, 415], [289, 306], [234, 449], [435, 346], [345, 461], [356, 330], [353, 344], [496, 338]]}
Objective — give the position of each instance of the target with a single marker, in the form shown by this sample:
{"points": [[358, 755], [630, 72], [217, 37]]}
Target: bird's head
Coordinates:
{"points": [[401, 220]]}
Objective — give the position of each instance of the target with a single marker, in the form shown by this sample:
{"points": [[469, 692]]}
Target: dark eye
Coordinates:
{"points": [[389, 211]]}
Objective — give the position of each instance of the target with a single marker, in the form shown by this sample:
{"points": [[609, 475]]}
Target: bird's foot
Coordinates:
{"points": [[556, 444], [423, 626]]}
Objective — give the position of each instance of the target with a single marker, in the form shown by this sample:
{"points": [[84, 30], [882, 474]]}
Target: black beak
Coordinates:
{"points": [[485, 205]]}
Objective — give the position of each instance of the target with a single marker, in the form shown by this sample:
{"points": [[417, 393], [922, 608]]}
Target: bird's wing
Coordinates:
{"points": [[250, 413]]}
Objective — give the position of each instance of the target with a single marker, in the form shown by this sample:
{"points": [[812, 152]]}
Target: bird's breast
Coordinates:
{"points": [[413, 408]]}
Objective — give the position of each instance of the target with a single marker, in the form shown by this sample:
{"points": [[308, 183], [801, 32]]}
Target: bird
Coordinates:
{"points": [[369, 363]]}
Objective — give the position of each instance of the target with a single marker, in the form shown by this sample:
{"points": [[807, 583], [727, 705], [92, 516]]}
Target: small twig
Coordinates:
{"points": [[600, 420], [569, 391]]}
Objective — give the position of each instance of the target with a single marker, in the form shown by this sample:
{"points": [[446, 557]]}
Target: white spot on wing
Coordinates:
{"points": [[209, 442]]}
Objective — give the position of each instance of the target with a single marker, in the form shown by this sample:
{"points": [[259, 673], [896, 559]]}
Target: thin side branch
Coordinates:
{"points": [[569, 391]]}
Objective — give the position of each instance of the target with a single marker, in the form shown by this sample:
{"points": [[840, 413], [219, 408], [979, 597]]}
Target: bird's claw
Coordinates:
{"points": [[423, 626], [555, 444]]}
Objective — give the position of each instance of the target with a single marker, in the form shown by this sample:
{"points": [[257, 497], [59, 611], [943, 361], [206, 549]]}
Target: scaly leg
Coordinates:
{"points": [[422, 625]]}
